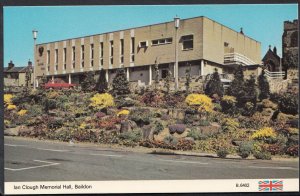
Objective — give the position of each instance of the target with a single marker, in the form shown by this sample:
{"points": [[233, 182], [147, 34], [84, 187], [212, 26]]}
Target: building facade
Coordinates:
{"points": [[16, 76], [290, 46], [203, 45]]}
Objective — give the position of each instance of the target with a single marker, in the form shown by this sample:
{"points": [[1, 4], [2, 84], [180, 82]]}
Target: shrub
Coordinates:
{"points": [[169, 139], [8, 99], [102, 85], [88, 81], [55, 124], [214, 85], [249, 109], [245, 149], [264, 134], [51, 104], [202, 101], [100, 101], [11, 107], [120, 83], [293, 150], [263, 85], [123, 112], [178, 128], [134, 136], [262, 155], [52, 95], [228, 104], [140, 116], [196, 135], [222, 153], [22, 112], [230, 125], [158, 127], [288, 104]]}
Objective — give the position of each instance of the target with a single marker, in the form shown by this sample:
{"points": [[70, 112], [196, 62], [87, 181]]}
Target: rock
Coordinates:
{"points": [[210, 130], [286, 117], [25, 131], [148, 132], [12, 131], [127, 125], [266, 103], [189, 139], [236, 142]]}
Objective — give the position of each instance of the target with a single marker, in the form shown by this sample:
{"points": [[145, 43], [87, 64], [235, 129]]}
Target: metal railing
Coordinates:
{"points": [[274, 75], [237, 58]]}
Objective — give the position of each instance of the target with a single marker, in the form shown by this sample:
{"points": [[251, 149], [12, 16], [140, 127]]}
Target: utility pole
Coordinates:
{"points": [[176, 24]]}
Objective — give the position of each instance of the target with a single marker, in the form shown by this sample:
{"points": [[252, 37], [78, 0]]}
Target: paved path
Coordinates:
{"points": [[34, 160]]}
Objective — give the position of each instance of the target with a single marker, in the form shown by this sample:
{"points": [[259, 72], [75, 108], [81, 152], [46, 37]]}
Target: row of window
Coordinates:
{"points": [[187, 44]]}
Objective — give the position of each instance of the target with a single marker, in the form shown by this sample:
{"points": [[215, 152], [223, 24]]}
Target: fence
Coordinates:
{"points": [[274, 75]]}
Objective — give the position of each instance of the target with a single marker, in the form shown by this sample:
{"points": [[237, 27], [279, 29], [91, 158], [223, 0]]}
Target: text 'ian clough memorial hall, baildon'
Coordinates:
{"points": [[201, 44]]}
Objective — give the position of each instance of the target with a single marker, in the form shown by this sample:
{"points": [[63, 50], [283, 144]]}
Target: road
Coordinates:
{"points": [[34, 160]]}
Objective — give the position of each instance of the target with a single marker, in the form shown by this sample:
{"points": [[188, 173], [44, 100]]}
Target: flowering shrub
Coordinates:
{"points": [[123, 112], [52, 95], [100, 101], [230, 124], [82, 125], [7, 123], [203, 101], [293, 150], [11, 107], [264, 133], [8, 99], [22, 112]]}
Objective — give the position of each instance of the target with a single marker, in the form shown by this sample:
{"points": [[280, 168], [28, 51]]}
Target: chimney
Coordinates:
{"points": [[275, 50], [241, 32], [10, 64]]}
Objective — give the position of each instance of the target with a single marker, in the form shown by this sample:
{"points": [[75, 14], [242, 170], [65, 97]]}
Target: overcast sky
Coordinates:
{"points": [[263, 23]]}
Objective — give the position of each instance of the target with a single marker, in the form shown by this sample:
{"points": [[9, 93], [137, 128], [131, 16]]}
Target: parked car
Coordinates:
{"points": [[58, 84]]}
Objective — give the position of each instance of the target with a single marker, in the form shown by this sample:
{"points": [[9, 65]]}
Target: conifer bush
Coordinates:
{"points": [[264, 87], [120, 84], [88, 82], [102, 85], [214, 85]]}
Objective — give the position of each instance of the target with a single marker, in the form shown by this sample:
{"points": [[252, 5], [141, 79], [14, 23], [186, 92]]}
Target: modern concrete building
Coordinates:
{"points": [[203, 44]]}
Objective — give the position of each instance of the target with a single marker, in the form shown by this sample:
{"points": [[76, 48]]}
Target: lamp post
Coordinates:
{"points": [[176, 25], [34, 33]]}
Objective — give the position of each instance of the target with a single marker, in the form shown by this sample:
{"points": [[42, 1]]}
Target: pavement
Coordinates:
{"points": [[37, 160]]}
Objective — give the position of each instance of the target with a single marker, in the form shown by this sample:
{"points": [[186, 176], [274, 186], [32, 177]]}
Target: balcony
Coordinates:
{"points": [[236, 59]]}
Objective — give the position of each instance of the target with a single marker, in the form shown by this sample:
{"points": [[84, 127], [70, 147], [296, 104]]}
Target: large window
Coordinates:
{"points": [[101, 53], [82, 52], [111, 52], [56, 55], [92, 51], [121, 51], [73, 57], [162, 41], [65, 55], [132, 46], [187, 42]]}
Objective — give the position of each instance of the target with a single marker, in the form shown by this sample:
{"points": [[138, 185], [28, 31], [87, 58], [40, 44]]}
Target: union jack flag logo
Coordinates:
{"points": [[270, 185]]}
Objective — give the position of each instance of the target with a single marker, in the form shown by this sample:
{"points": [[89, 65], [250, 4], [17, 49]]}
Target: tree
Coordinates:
{"points": [[250, 89], [167, 81], [263, 85], [188, 80], [214, 85], [120, 84], [290, 61], [102, 84], [88, 82], [236, 88]]}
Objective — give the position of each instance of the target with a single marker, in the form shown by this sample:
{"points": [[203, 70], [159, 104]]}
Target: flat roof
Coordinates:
{"points": [[146, 26]]}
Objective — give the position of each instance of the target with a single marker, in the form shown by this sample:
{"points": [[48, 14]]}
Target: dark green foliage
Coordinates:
{"points": [[158, 127], [170, 140], [120, 84], [140, 116], [88, 82], [288, 104], [236, 88], [214, 85], [245, 149], [167, 81], [222, 153], [55, 123], [264, 87], [262, 155], [290, 61], [188, 80], [101, 86], [196, 135]]}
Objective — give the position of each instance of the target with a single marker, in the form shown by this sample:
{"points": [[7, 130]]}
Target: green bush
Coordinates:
{"points": [[169, 139], [196, 135], [222, 153], [228, 105], [133, 136], [288, 104], [245, 149], [262, 155], [158, 127], [140, 116]]}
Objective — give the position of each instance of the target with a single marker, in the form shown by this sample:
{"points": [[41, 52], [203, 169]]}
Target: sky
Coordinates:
{"points": [[263, 23]]}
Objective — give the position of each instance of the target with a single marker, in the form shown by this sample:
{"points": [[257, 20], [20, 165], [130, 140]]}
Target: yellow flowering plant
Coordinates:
{"points": [[203, 102], [11, 107], [100, 101], [264, 133], [8, 99], [22, 112], [123, 112]]}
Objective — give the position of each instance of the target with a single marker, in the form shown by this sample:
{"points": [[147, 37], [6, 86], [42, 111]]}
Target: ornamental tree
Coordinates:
{"points": [[263, 85], [102, 84], [120, 84], [214, 85]]}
